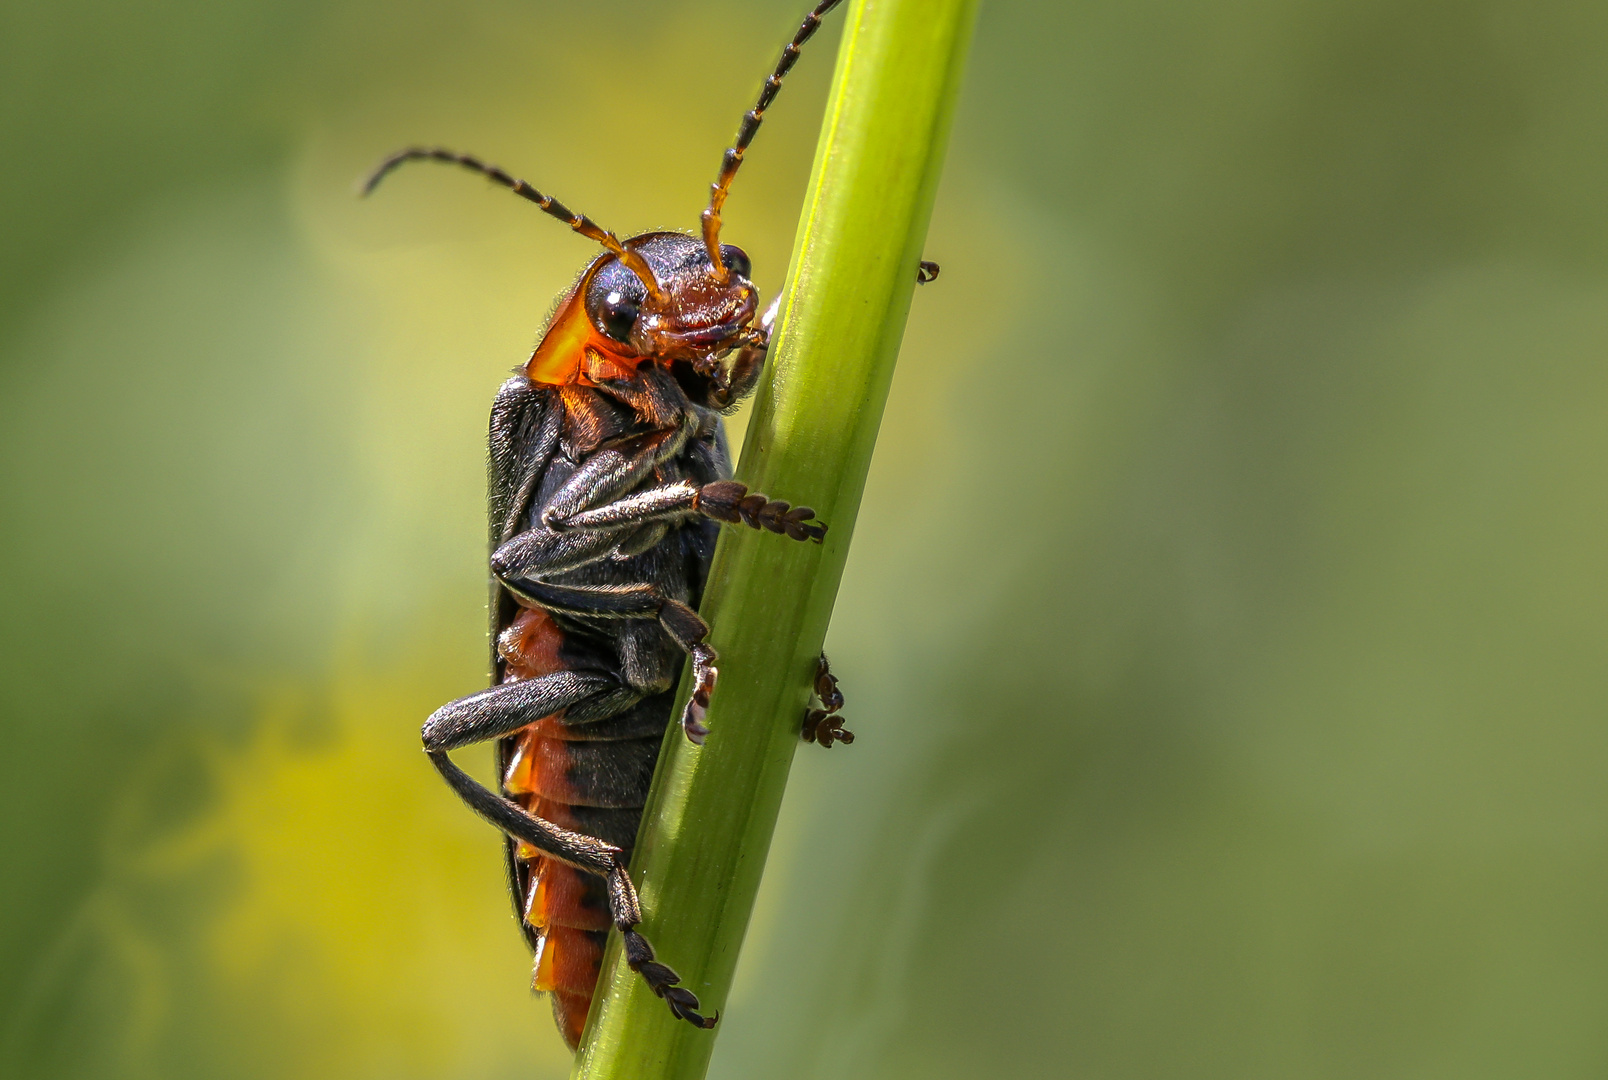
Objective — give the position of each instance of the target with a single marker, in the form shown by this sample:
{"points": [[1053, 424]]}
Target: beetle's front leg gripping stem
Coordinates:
{"points": [[727, 500]]}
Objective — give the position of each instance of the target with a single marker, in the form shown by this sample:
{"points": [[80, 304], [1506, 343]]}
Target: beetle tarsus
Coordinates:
{"points": [[823, 725], [728, 500], [704, 674], [661, 978]]}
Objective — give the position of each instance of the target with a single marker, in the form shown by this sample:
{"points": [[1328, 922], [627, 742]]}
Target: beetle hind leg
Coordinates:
{"points": [[586, 853], [507, 707], [661, 979]]}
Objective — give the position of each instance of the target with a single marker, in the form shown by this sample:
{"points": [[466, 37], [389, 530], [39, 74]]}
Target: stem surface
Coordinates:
{"points": [[709, 818]]}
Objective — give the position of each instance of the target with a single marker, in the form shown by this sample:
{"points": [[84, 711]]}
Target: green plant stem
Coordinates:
{"points": [[712, 810]]}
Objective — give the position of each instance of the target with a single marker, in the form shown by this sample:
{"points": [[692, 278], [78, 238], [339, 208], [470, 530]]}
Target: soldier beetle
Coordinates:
{"points": [[608, 479]]}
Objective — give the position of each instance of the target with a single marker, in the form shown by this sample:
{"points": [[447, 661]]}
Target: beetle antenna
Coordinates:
{"points": [[579, 222], [746, 131]]}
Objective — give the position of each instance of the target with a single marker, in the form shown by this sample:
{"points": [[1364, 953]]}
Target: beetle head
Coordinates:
{"points": [[695, 314]]}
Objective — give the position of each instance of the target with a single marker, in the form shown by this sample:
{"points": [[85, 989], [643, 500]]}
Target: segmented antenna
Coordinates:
{"points": [[579, 222], [733, 158]]}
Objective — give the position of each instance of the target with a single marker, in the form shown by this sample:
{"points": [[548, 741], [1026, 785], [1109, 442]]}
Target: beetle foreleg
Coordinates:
{"points": [[654, 504], [727, 500], [590, 536], [611, 471], [723, 500], [738, 378]]}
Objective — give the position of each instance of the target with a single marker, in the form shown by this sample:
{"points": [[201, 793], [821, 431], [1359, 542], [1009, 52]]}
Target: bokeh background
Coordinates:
{"points": [[1225, 628]]}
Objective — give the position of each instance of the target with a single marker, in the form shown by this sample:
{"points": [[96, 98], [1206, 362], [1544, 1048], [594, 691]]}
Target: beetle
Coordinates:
{"points": [[608, 478]]}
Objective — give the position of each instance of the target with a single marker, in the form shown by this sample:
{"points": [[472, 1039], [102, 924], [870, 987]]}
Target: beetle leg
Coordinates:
{"points": [[826, 685], [723, 500], [542, 551], [823, 725], [576, 849], [737, 379], [612, 470], [687, 628], [637, 601], [590, 854], [493, 713], [660, 978], [587, 499], [727, 500], [670, 501]]}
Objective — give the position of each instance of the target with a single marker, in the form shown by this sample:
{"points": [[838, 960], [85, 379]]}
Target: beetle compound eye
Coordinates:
{"points": [[736, 260], [614, 296], [616, 315]]}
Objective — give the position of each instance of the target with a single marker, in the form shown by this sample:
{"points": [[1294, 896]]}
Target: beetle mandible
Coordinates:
{"points": [[608, 476]]}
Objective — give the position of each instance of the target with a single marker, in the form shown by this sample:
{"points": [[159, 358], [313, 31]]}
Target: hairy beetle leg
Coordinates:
{"points": [[823, 725], [685, 627], [586, 853], [553, 548], [661, 978], [506, 708]]}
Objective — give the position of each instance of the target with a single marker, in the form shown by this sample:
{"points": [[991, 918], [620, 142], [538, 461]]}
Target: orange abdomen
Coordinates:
{"points": [[585, 784]]}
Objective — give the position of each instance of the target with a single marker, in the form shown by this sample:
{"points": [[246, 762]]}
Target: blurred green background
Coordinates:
{"points": [[1225, 627]]}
